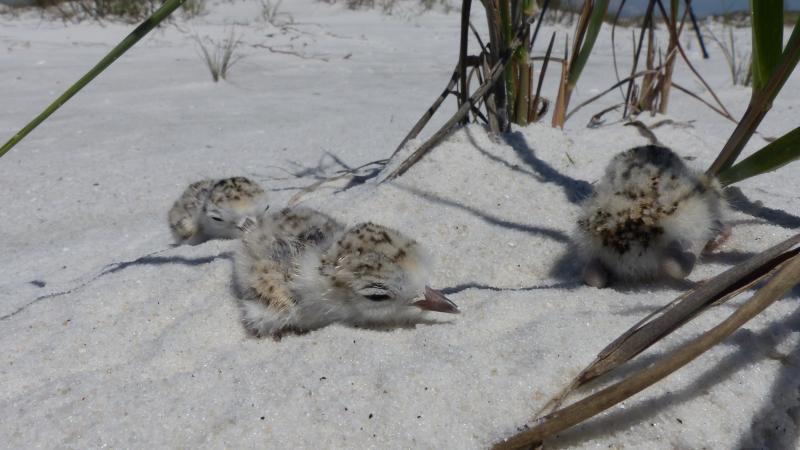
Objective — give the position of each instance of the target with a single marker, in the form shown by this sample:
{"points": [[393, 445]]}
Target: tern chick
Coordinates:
{"points": [[369, 275], [216, 209], [649, 216]]}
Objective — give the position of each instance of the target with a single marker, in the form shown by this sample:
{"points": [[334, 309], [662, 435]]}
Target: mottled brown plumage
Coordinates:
{"points": [[650, 214], [294, 274], [215, 209]]}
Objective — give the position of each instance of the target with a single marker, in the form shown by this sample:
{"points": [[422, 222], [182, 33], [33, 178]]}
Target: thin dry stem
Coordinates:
{"points": [[776, 288]]}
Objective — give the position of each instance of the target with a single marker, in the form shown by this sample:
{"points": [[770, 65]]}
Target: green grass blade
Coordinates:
{"points": [[595, 22], [774, 155], [789, 59], [767, 29], [760, 104], [138, 33]]}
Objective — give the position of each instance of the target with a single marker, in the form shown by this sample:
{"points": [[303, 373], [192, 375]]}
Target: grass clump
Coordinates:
{"points": [[219, 56]]}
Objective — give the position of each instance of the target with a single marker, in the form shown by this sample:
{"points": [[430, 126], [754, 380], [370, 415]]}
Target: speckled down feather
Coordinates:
{"points": [[647, 202], [299, 270], [215, 209]]}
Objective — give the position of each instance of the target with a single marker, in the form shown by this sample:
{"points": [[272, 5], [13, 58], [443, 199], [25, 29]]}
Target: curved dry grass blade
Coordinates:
{"points": [[478, 38], [616, 85], [130, 40], [701, 100], [679, 311], [597, 119], [780, 284], [647, 133], [415, 130]]}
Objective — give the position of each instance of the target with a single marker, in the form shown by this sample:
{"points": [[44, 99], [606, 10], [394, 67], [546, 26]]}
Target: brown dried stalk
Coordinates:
{"points": [[428, 113], [561, 98], [785, 278], [703, 101], [616, 85], [664, 321], [689, 64]]}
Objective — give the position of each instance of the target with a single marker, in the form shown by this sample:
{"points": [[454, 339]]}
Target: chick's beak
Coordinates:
{"points": [[436, 301]]}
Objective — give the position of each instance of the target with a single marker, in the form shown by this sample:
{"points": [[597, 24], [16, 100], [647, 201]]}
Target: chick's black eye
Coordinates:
{"points": [[378, 297], [218, 219]]}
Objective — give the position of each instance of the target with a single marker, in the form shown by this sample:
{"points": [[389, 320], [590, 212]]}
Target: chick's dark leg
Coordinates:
{"points": [[595, 274], [677, 262]]}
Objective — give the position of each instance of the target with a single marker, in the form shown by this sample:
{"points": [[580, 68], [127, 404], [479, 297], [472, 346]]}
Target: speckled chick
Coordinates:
{"points": [[216, 209], [370, 275], [649, 216]]}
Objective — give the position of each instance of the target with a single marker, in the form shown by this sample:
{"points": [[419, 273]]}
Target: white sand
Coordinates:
{"points": [[104, 346]]}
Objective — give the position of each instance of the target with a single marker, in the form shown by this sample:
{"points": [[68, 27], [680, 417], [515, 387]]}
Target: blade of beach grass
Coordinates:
{"points": [[673, 315], [542, 72], [771, 157], [777, 286], [560, 106], [524, 71], [591, 21], [760, 104], [593, 29], [767, 32], [138, 33]]}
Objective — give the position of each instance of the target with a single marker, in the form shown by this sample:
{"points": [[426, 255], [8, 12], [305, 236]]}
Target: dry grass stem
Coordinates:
{"points": [[664, 321], [778, 285], [614, 86], [426, 117], [703, 101], [494, 76]]}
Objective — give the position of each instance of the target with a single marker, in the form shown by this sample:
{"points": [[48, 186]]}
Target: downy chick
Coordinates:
{"points": [[371, 275], [216, 209], [649, 216]]}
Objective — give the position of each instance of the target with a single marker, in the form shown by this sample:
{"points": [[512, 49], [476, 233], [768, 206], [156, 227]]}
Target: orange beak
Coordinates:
{"points": [[436, 301]]}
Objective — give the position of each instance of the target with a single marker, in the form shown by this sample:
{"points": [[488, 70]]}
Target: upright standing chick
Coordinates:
{"points": [[370, 276], [216, 209], [650, 215]]}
